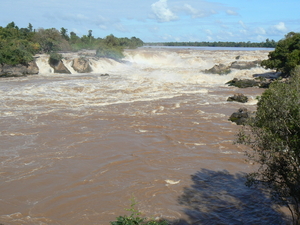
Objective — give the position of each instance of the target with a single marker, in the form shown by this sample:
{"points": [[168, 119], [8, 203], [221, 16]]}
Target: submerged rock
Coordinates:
{"points": [[238, 98], [245, 65], [240, 65], [219, 69], [243, 83], [241, 116]]}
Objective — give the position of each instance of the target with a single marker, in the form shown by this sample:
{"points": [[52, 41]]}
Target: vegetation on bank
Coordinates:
{"points": [[286, 55], [274, 133], [19, 45], [135, 218], [267, 44], [274, 137]]}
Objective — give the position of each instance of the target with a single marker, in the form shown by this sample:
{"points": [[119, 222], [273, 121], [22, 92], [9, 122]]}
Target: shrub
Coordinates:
{"points": [[55, 58], [135, 219], [286, 55], [274, 136], [113, 52]]}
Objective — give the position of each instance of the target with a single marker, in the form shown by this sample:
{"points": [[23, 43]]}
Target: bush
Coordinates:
{"points": [[55, 58], [135, 219], [274, 136], [286, 55], [113, 52], [13, 52], [51, 40]]}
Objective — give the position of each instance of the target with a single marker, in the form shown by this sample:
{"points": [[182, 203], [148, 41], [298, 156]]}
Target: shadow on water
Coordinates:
{"points": [[223, 198]]}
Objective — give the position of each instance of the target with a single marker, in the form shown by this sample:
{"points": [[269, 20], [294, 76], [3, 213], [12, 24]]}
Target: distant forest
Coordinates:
{"points": [[267, 44]]}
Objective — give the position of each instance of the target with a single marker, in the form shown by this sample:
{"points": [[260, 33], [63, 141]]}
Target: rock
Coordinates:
{"points": [[243, 83], [18, 70], [13, 71], [104, 75], [241, 65], [32, 68], [238, 98], [59, 66], [81, 65], [219, 69], [245, 65], [241, 116]]}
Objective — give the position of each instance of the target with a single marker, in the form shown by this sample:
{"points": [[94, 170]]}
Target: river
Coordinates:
{"points": [[75, 148]]}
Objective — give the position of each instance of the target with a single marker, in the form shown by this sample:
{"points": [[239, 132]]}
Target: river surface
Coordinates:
{"points": [[75, 148]]}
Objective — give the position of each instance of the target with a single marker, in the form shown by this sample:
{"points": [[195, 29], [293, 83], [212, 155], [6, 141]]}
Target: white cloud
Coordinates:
{"points": [[231, 12], [243, 32], [162, 12], [260, 31], [260, 38], [190, 9], [280, 27], [242, 24], [120, 27], [209, 32]]}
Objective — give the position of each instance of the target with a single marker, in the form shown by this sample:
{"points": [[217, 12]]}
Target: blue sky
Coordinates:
{"points": [[160, 20]]}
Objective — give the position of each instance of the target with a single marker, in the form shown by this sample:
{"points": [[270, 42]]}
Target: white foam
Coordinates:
{"points": [[145, 75]]}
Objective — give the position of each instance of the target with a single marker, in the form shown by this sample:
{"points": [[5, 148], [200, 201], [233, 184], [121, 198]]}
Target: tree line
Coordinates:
{"points": [[266, 44], [19, 45]]}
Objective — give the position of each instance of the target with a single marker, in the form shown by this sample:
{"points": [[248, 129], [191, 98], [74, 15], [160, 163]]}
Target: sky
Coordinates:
{"points": [[160, 20]]}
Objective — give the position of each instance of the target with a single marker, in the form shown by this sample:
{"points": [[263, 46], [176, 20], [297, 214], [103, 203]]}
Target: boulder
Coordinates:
{"points": [[241, 116], [32, 68], [219, 69], [244, 65], [59, 66], [243, 83], [18, 70], [238, 98], [81, 65], [13, 71]]}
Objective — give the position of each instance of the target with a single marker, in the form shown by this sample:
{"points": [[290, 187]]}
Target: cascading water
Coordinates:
{"points": [[76, 147]]}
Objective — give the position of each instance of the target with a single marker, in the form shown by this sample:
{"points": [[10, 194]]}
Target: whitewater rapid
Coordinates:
{"points": [[75, 148]]}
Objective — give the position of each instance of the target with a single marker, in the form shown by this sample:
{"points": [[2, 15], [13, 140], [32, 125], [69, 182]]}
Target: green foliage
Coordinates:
{"points": [[64, 33], [113, 47], [274, 136], [16, 46], [267, 44], [135, 219], [108, 51], [51, 40], [55, 58], [286, 56]]}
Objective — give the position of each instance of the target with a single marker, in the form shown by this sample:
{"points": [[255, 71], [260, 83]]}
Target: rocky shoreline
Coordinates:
{"points": [[80, 62]]}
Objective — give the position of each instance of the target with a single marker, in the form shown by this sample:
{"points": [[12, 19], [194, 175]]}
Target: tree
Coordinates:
{"points": [[30, 27], [50, 40], [274, 137], [286, 55], [64, 33], [16, 46], [11, 25], [113, 52], [111, 41]]}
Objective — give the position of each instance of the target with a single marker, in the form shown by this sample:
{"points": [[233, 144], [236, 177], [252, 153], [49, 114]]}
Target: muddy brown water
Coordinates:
{"points": [[75, 149]]}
